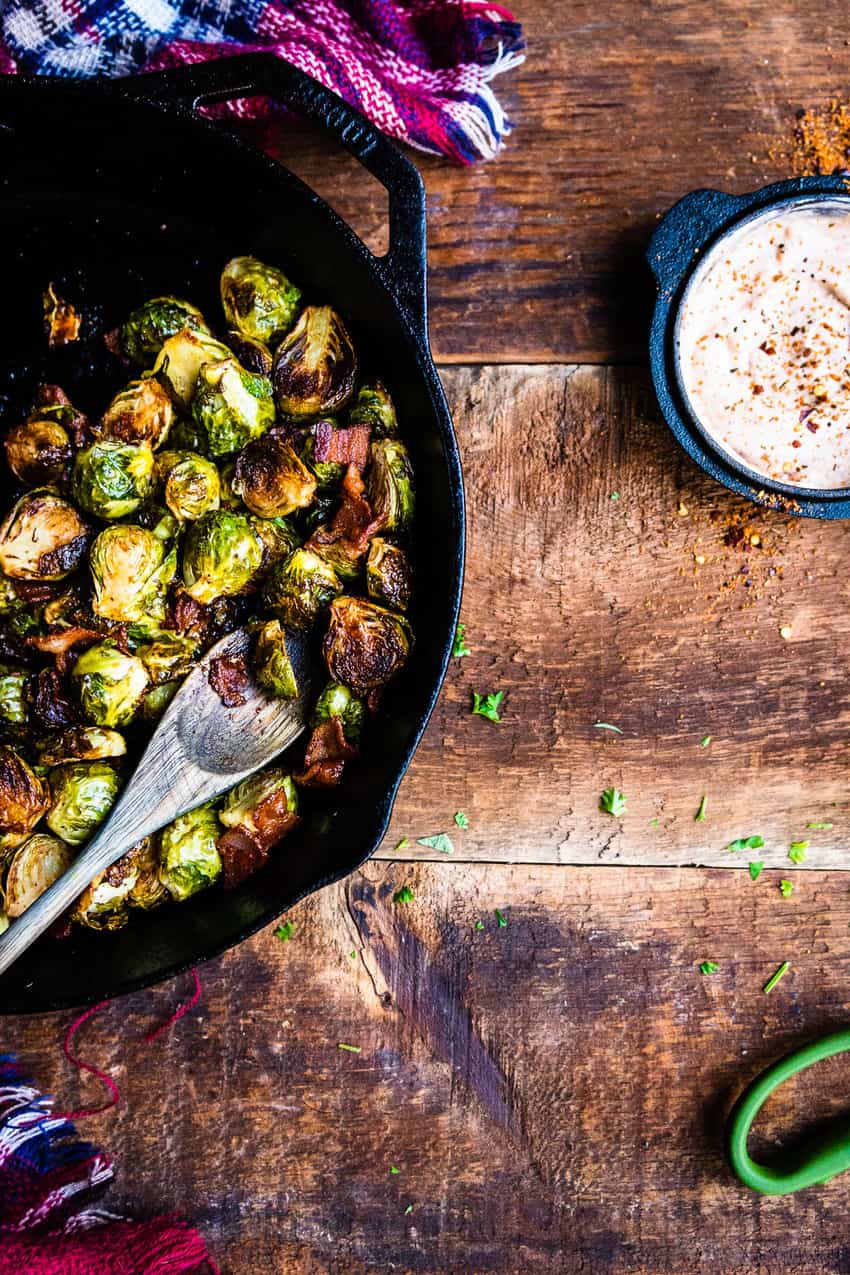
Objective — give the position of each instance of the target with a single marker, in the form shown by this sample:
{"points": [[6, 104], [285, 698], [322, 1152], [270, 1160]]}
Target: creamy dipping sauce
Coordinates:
{"points": [[763, 345]]}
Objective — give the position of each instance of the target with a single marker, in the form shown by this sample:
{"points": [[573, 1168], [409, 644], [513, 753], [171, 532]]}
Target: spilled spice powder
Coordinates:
{"points": [[821, 141]]}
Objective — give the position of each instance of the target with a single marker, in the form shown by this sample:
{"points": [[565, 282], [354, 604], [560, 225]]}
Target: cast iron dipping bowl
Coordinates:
{"points": [[120, 191], [691, 229]]}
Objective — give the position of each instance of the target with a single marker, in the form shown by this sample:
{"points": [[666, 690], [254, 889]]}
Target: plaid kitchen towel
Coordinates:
{"points": [[419, 69]]}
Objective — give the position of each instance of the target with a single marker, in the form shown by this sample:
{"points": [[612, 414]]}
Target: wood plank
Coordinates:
{"points": [[552, 1092], [620, 109], [586, 608]]}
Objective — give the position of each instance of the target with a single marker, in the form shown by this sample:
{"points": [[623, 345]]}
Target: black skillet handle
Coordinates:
{"points": [[263, 74], [685, 230]]}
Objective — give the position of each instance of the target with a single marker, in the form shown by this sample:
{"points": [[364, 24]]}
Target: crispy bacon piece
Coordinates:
{"points": [[273, 820], [65, 644], [61, 321], [240, 857], [326, 755], [50, 704], [341, 446], [189, 617], [229, 678], [54, 396], [34, 592], [353, 523]]}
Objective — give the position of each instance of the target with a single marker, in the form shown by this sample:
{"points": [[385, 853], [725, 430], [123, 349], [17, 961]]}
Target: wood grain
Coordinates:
{"points": [[586, 608], [620, 109], [552, 1092]]}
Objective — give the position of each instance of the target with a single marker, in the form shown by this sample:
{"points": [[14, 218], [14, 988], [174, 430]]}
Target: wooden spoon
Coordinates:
{"points": [[199, 750]]}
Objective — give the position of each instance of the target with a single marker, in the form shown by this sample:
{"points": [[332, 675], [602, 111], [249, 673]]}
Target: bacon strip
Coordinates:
{"points": [[341, 446], [228, 676], [353, 523], [326, 755]]}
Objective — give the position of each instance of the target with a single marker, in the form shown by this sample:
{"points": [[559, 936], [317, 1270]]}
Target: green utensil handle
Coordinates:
{"points": [[813, 1164]]}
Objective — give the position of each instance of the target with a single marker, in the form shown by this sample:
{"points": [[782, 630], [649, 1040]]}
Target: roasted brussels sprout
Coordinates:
{"points": [[157, 699], [300, 587], [389, 485], [147, 890], [169, 657], [131, 570], [373, 406], [23, 799], [13, 703], [365, 645], [181, 359], [110, 479], [187, 436], [254, 355], [109, 685], [82, 743], [258, 300], [221, 555], [272, 665], [141, 413], [192, 488], [229, 499], [132, 881], [315, 366], [42, 537], [271, 480], [39, 451], [278, 537], [265, 806], [231, 405], [338, 701], [146, 330], [188, 856], [388, 575], [39, 862], [81, 794]]}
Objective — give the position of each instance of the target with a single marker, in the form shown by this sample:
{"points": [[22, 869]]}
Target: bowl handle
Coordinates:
{"points": [[685, 230], [403, 268]]}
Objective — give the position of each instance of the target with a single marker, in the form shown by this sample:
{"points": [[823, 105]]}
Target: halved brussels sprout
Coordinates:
{"points": [[278, 537], [39, 862], [39, 451], [373, 406], [221, 555], [389, 485], [365, 645], [187, 436], [147, 891], [192, 488], [265, 806], [258, 300], [82, 794], [131, 570], [188, 857], [109, 684], [141, 413], [146, 330], [300, 587], [110, 479], [337, 700], [42, 537], [169, 657], [23, 798], [388, 575], [229, 499], [271, 480], [181, 359], [254, 355], [131, 882], [315, 367], [272, 664], [157, 699], [231, 405], [13, 703], [82, 743], [343, 554]]}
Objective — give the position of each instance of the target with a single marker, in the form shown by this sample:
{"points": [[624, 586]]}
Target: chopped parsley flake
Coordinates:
{"points": [[607, 726], [699, 817], [786, 889], [705, 741], [615, 495], [479, 925], [394, 1169], [746, 843], [775, 976], [440, 841], [403, 844], [353, 955], [501, 920], [351, 1049], [797, 851], [488, 705], [654, 823], [819, 827], [409, 1209], [404, 895], [461, 819], [459, 647], [709, 967], [613, 802], [756, 870], [285, 931]]}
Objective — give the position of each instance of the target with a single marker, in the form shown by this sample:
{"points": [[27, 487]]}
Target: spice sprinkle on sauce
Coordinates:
{"points": [[763, 345]]}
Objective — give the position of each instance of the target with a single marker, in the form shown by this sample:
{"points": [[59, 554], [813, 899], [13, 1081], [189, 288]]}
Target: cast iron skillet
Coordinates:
{"points": [[120, 191]]}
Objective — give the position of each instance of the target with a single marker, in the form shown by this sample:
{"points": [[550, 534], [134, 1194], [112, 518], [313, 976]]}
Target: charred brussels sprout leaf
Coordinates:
{"points": [[365, 645], [265, 807], [82, 743], [315, 366], [13, 703], [39, 451], [131, 571], [141, 413], [147, 890], [192, 488], [272, 664], [157, 699], [146, 330], [221, 555], [373, 406], [338, 701], [188, 858], [300, 588], [169, 657], [388, 574], [109, 684], [254, 355], [181, 359], [390, 485], [61, 320], [23, 799], [271, 480], [111, 479], [279, 538], [37, 864], [43, 537], [232, 406], [82, 793], [258, 300]]}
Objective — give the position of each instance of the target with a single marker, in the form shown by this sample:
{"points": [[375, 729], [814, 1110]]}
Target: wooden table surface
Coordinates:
{"points": [[552, 1090]]}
